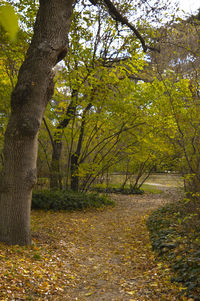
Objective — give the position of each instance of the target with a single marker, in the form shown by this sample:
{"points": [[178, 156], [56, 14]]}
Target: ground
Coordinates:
{"points": [[92, 255]]}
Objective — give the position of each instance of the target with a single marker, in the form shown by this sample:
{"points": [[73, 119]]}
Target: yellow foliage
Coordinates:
{"points": [[9, 20]]}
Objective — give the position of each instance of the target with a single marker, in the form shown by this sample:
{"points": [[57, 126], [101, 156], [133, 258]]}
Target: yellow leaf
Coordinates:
{"points": [[89, 294], [9, 20], [154, 284]]}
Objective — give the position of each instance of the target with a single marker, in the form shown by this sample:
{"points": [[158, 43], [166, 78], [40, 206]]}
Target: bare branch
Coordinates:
{"points": [[117, 16], [49, 132]]}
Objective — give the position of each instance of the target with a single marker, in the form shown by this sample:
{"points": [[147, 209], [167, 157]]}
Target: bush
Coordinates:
{"points": [[118, 190], [175, 235], [67, 200]]}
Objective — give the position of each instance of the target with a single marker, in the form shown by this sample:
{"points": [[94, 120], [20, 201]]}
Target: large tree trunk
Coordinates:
{"points": [[28, 102]]}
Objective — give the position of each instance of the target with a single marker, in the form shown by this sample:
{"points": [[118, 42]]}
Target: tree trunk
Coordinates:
{"points": [[75, 156], [74, 172], [55, 175], [28, 103]]}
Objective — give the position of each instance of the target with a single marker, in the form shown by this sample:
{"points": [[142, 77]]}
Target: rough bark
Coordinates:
{"points": [[28, 103]]}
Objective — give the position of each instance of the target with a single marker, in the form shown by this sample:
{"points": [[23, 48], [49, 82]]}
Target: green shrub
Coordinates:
{"points": [[175, 235], [114, 188], [67, 200], [118, 190]]}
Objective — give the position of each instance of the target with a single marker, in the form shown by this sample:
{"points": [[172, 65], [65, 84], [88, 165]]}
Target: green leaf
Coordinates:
{"points": [[9, 20]]}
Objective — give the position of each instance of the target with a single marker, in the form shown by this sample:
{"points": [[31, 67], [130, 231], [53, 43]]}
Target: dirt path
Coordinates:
{"points": [[110, 256], [89, 256]]}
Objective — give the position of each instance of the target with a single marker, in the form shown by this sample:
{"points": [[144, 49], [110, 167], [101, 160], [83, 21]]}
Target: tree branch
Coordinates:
{"points": [[49, 132], [117, 16]]}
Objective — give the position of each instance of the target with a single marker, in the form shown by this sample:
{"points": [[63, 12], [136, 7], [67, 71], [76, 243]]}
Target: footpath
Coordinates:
{"points": [[90, 256]]}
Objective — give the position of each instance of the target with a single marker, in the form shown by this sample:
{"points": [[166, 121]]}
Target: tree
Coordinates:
{"points": [[178, 71], [29, 99], [87, 75]]}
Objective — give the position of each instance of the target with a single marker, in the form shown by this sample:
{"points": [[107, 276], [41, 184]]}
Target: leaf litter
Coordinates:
{"points": [[89, 255]]}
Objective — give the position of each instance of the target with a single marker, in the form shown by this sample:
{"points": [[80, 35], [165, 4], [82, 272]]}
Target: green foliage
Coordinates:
{"points": [[9, 20], [67, 200], [174, 231], [127, 189]]}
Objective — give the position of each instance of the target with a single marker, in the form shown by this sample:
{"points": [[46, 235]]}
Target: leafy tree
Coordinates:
{"points": [[86, 77], [29, 99], [178, 69]]}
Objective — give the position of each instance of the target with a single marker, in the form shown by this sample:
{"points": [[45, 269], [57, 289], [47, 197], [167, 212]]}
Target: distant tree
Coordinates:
{"points": [[178, 69]]}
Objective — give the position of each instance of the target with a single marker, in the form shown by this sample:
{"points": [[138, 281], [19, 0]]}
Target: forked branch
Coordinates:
{"points": [[116, 15]]}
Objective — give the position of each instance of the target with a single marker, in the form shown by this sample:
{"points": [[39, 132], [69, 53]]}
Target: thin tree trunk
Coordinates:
{"points": [[127, 174], [147, 176], [74, 172], [28, 103], [75, 156], [55, 175]]}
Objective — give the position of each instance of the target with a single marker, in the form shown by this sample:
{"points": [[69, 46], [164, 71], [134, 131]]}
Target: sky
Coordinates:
{"points": [[190, 6]]}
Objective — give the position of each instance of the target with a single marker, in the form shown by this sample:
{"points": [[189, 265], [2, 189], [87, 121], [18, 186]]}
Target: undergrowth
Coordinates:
{"points": [[175, 235], [68, 200], [101, 188], [126, 190]]}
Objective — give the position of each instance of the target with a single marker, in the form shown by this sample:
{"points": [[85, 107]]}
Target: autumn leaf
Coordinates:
{"points": [[9, 20], [88, 255]]}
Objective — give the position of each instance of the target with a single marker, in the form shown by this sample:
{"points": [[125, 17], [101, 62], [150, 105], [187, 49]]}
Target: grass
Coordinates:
{"points": [[147, 188], [151, 189], [169, 179]]}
